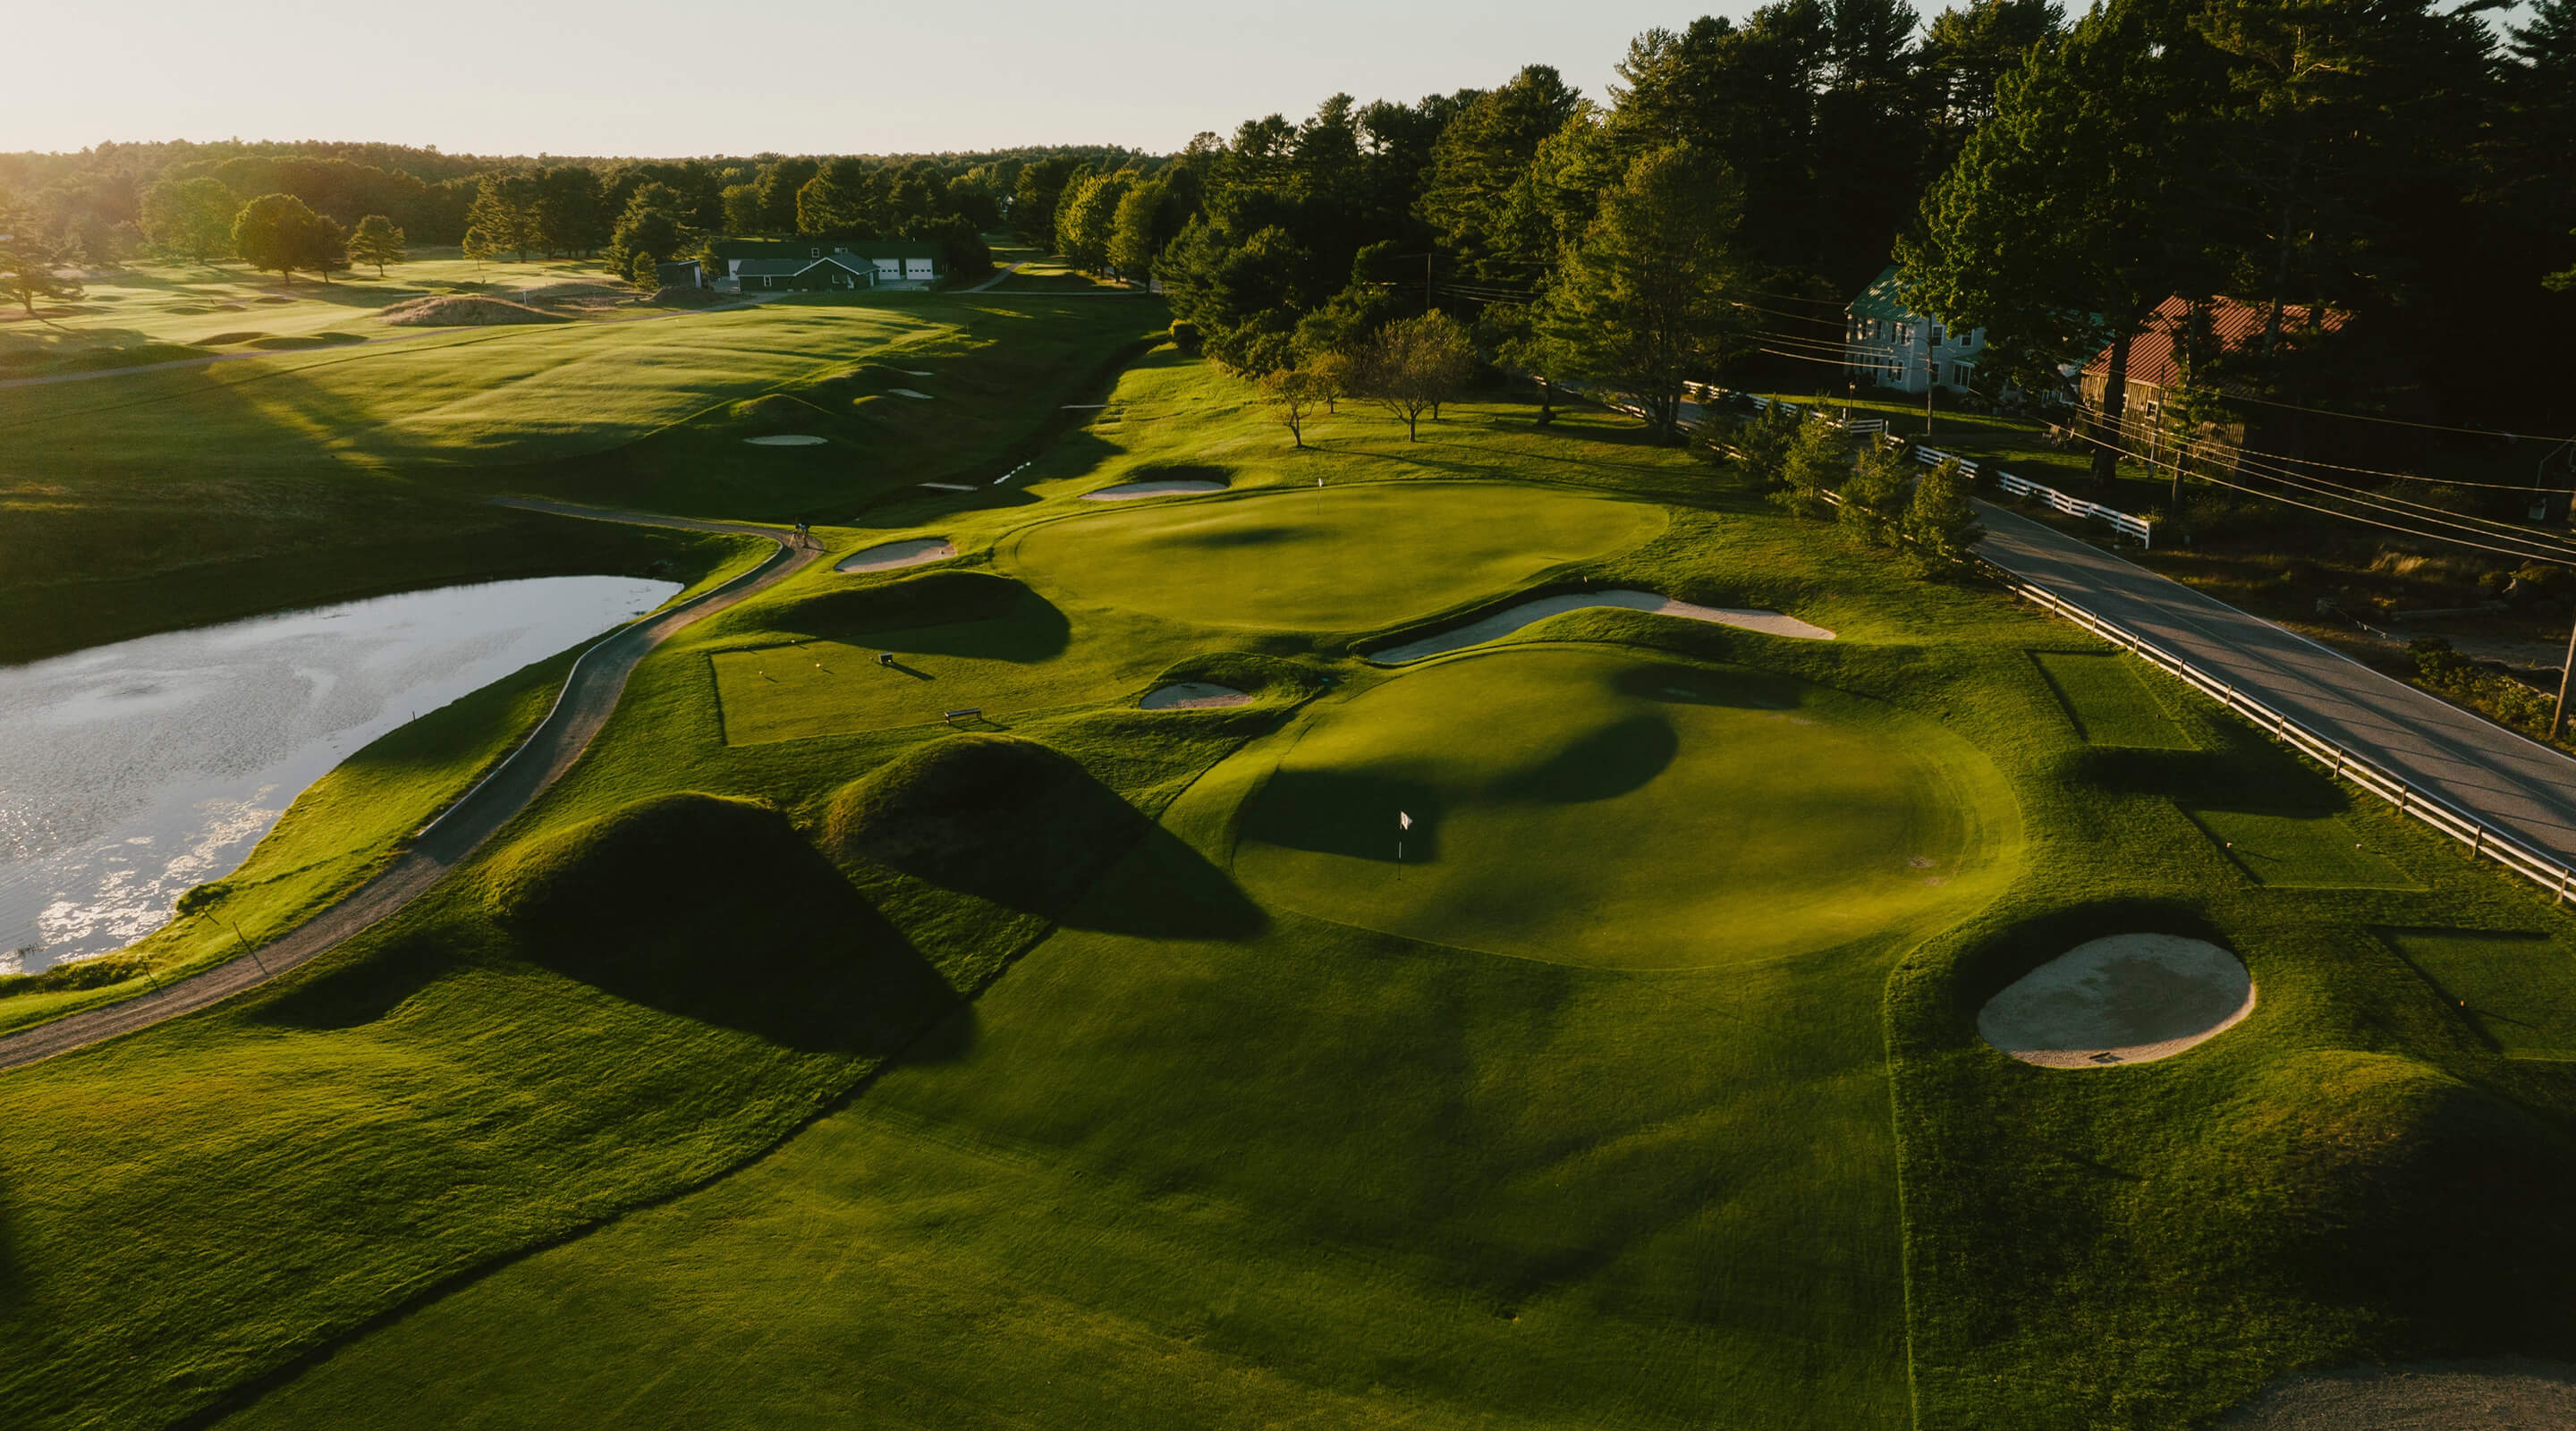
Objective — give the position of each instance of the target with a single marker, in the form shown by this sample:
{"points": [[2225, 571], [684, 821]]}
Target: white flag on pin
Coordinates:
{"points": [[1403, 821]]}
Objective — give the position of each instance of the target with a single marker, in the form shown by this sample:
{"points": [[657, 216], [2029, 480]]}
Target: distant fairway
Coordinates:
{"points": [[1591, 806], [1345, 558]]}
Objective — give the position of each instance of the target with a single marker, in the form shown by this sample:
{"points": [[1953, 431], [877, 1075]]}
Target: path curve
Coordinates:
{"points": [[590, 694], [1015, 267]]}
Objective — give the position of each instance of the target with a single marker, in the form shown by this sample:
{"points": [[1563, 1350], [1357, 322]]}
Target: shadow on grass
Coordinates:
{"points": [[1347, 812], [1603, 764], [1024, 826], [719, 911]]}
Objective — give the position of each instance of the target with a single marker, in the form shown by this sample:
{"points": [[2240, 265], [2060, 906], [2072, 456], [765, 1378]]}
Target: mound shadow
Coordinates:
{"points": [[1347, 812], [1026, 827], [1180, 472], [1604, 763], [362, 990], [720, 911], [1739, 687], [942, 613]]}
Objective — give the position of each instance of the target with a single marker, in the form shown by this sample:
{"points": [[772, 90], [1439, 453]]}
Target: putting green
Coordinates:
{"points": [[1596, 806], [1348, 558]]}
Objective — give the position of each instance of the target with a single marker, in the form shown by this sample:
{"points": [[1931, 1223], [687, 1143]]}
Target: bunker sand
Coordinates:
{"points": [[2126, 998]]}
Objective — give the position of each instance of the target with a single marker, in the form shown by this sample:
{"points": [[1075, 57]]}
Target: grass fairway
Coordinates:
{"points": [[1587, 806], [2299, 851], [1335, 558], [2517, 990], [170, 497], [2107, 702], [657, 1115]]}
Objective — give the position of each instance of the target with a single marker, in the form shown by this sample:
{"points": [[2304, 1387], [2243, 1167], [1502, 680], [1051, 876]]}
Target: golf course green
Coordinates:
{"points": [[815, 1053], [1590, 806]]}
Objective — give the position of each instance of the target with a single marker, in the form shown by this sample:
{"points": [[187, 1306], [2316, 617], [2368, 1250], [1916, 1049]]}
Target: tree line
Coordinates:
{"points": [[2050, 181], [177, 200]]}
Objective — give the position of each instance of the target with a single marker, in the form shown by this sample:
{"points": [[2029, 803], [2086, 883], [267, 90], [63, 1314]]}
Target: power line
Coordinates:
{"points": [[2401, 422]]}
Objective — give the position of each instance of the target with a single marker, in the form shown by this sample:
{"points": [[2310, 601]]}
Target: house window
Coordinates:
{"points": [[1961, 374], [1936, 335]]}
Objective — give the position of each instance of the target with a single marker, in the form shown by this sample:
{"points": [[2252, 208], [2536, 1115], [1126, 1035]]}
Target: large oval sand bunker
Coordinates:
{"points": [[2127, 998], [1529, 613]]}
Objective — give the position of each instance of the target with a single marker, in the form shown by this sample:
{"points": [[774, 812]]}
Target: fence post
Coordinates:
{"points": [[2478, 846], [2564, 875], [2402, 793], [2338, 762]]}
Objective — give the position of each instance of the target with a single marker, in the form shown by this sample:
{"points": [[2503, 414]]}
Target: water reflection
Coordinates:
{"points": [[130, 772]]}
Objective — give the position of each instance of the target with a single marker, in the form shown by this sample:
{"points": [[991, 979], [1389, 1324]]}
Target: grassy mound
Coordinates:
{"points": [[453, 311], [719, 910], [681, 295], [2386, 1185], [1009, 820], [939, 598]]}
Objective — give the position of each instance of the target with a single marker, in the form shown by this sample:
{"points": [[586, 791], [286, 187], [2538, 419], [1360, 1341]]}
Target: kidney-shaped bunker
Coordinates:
{"points": [[2127, 998]]}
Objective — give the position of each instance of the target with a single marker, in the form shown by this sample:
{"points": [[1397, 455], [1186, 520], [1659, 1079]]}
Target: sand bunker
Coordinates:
{"points": [[452, 311], [787, 439], [886, 556], [2425, 1396], [2128, 998], [1510, 619], [1129, 491], [1192, 696]]}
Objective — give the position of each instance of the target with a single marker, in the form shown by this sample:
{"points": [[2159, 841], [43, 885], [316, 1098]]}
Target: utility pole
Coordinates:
{"points": [[2566, 678]]}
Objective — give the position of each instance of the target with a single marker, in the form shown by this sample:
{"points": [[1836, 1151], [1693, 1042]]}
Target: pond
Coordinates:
{"points": [[131, 772]]}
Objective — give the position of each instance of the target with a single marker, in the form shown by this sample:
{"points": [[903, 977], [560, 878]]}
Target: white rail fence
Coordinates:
{"points": [[2121, 522], [2482, 838]]}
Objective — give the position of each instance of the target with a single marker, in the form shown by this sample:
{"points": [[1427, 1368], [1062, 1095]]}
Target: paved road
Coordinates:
{"points": [[590, 693], [2476, 766]]}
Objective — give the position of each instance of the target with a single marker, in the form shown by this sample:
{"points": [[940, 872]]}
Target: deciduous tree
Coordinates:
{"points": [[190, 218], [276, 232], [1293, 395], [1939, 523], [377, 241], [1414, 365]]}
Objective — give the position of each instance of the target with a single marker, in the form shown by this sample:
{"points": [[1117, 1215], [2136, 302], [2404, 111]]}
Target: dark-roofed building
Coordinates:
{"points": [[2154, 365], [765, 265]]}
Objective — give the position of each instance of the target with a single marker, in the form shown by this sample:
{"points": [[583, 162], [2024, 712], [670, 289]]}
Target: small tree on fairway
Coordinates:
{"points": [[505, 214], [277, 232], [377, 241], [190, 218], [1939, 522], [31, 266], [1816, 463], [1413, 366], [1293, 395], [1333, 374]]}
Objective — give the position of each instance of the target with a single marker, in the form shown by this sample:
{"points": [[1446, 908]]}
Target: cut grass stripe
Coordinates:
{"points": [[2515, 991], [2107, 702], [2298, 852]]}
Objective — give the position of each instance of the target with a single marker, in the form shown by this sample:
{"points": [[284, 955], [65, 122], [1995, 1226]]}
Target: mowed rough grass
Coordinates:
{"points": [[1171, 1150], [2108, 701], [2517, 991], [1586, 806], [2299, 851], [1320, 560]]}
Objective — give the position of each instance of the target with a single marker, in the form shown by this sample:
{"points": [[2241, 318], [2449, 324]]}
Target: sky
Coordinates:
{"points": [[666, 78]]}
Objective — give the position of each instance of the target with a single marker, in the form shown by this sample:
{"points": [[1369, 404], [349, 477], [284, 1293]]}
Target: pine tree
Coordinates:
{"points": [[1939, 524], [31, 265]]}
